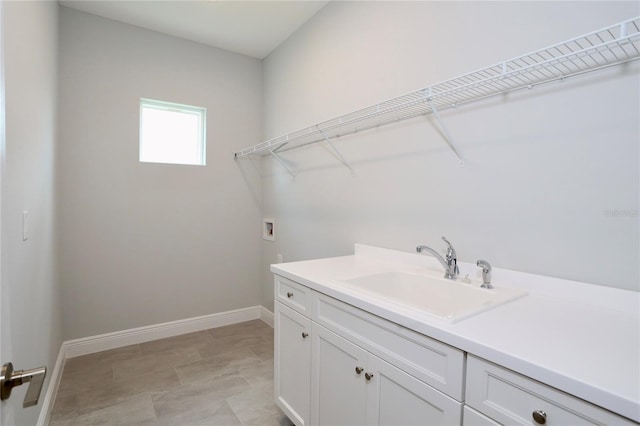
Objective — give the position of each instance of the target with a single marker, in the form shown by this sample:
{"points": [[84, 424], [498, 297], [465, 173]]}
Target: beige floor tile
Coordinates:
{"points": [[218, 413], [190, 340], [255, 327], [134, 411], [264, 351], [104, 394], [73, 405], [101, 360], [276, 420], [83, 382], [258, 374], [220, 376], [266, 330], [204, 369], [218, 365], [196, 401], [153, 381], [154, 362], [239, 357], [231, 343], [254, 404]]}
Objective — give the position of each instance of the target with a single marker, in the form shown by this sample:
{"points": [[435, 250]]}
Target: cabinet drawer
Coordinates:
{"points": [[471, 417], [293, 295], [511, 398], [429, 360]]}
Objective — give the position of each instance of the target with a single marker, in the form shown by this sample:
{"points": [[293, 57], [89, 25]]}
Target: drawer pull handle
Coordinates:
{"points": [[289, 294], [305, 335], [540, 417], [368, 376], [359, 370]]}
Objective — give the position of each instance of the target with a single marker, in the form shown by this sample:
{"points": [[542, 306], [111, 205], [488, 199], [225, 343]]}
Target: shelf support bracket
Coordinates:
{"points": [[333, 150], [282, 163], [445, 130], [282, 145]]}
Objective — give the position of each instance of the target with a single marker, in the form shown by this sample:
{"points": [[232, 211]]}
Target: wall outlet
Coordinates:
{"points": [[268, 229]]}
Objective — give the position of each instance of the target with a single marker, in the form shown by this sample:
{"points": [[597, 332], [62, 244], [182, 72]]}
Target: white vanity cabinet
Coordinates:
{"points": [[354, 387], [336, 364], [510, 398], [292, 366], [292, 350], [338, 386], [363, 369], [371, 359], [397, 398]]}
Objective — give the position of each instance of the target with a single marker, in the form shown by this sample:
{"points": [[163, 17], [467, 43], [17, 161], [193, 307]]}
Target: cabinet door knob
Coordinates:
{"points": [[540, 417], [289, 294], [305, 335], [359, 370], [368, 376]]}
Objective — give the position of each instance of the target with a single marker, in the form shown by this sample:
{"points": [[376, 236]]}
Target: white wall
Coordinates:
{"points": [[542, 167], [148, 243], [32, 330]]}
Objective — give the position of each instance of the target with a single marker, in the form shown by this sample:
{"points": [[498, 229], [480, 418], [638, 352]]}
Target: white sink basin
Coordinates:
{"points": [[446, 299]]}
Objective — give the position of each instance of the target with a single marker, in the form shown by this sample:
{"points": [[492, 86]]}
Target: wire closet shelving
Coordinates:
{"points": [[613, 45]]}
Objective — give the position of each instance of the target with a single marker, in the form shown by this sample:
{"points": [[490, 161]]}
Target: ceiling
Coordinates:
{"points": [[252, 28]]}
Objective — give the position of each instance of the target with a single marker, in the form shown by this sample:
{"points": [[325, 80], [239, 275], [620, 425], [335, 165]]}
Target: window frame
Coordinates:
{"points": [[199, 112]]}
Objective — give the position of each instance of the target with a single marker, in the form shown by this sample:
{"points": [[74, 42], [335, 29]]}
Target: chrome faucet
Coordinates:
{"points": [[486, 273], [449, 262]]}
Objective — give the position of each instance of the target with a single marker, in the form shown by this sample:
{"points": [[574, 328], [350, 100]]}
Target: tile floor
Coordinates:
{"points": [[222, 376]]}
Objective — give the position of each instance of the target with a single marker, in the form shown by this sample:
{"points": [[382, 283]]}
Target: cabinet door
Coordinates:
{"points": [[338, 390], [292, 368], [396, 398]]}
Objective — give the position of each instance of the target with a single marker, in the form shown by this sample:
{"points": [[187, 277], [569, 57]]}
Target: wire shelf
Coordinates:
{"points": [[614, 45]]}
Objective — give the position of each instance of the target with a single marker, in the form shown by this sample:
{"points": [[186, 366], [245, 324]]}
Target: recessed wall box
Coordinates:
{"points": [[268, 229]]}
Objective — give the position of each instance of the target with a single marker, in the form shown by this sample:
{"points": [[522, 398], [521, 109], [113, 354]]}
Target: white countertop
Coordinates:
{"points": [[580, 338]]}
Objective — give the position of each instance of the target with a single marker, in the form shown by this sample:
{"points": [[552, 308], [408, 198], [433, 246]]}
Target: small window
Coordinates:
{"points": [[172, 133]]}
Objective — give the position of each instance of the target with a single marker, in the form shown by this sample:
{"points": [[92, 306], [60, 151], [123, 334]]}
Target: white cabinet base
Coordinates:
{"points": [[338, 391], [351, 386], [292, 368], [513, 399], [396, 398]]}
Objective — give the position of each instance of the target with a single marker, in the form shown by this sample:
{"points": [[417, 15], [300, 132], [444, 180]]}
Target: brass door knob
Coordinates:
{"points": [[368, 376], [305, 335], [359, 370], [289, 295]]}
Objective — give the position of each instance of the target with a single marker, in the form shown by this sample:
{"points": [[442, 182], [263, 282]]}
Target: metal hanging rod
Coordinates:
{"points": [[614, 45]]}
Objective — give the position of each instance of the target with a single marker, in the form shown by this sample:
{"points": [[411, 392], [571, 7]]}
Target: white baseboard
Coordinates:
{"points": [[266, 316], [118, 339], [52, 389]]}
